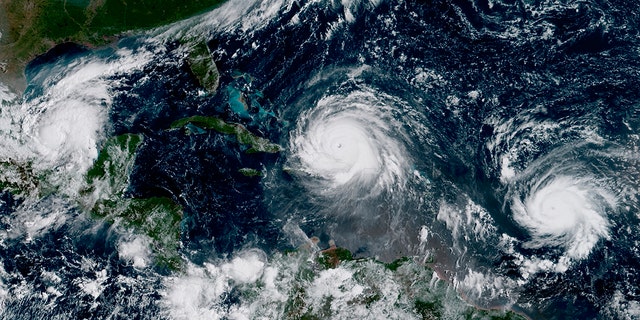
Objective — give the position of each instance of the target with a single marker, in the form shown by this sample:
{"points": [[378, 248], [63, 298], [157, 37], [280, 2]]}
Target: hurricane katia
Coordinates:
{"points": [[565, 211], [349, 141]]}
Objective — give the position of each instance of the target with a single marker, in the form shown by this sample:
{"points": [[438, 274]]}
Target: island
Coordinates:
{"points": [[29, 28]]}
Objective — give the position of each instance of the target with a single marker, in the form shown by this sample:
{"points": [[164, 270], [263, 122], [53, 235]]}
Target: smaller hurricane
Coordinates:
{"points": [[564, 211], [57, 126], [350, 142]]}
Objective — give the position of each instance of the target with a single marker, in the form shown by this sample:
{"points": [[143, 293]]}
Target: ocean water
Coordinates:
{"points": [[496, 141]]}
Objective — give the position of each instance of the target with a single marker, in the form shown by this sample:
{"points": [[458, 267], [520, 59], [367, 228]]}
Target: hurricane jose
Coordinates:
{"points": [[349, 142], [565, 211], [562, 199]]}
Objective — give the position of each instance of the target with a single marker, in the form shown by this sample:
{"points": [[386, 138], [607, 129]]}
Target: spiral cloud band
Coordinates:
{"points": [[349, 141], [565, 211]]}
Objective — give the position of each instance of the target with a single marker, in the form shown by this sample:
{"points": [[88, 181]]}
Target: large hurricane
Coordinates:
{"points": [[349, 146], [354, 159]]}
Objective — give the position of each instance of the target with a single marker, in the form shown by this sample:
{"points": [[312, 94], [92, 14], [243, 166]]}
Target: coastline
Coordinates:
{"points": [[11, 68], [29, 30], [13, 78]]}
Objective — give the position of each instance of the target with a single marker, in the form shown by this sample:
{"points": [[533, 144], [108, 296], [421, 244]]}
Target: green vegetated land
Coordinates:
{"points": [[435, 300], [17, 177], [158, 218], [21, 179], [203, 67], [244, 136], [31, 27], [250, 172]]}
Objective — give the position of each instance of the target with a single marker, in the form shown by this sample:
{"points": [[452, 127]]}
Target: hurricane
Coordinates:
{"points": [[349, 164], [348, 145], [277, 159], [564, 211]]}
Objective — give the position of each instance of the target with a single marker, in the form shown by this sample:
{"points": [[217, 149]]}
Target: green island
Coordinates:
{"points": [[31, 27], [250, 172], [158, 218], [243, 136]]}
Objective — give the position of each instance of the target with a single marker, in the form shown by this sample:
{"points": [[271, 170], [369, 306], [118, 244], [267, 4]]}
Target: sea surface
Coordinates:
{"points": [[494, 141]]}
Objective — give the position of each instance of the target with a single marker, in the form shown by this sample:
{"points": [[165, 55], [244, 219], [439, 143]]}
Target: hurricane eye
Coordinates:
{"points": [[347, 141], [564, 211]]}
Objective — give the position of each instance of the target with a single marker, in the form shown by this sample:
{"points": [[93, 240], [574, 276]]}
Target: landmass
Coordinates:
{"points": [[202, 66], [104, 197], [250, 172], [17, 177], [157, 218], [362, 280], [242, 134], [30, 28]]}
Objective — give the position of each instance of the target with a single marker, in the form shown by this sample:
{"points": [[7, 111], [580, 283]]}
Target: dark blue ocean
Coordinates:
{"points": [[496, 139]]}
